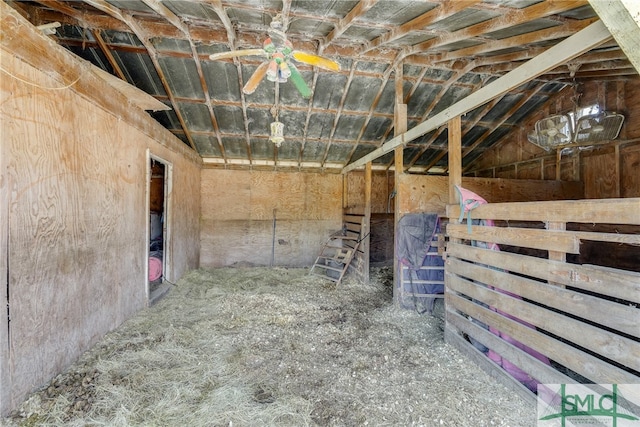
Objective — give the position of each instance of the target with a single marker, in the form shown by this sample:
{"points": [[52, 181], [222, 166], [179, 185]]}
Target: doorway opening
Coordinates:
{"points": [[159, 191]]}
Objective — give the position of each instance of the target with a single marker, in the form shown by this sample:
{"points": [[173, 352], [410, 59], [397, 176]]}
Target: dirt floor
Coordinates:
{"points": [[275, 347]]}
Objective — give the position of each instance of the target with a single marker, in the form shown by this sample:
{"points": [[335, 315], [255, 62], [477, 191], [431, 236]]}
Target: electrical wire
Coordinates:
{"points": [[40, 86]]}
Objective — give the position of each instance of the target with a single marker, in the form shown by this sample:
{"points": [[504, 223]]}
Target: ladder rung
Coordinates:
{"points": [[326, 277], [328, 267], [330, 257]]}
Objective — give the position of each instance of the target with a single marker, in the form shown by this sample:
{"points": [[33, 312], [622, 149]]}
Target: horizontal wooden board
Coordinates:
{"points": [[558, 240], [620, 317], [524, 237], [515, 388], [609, 211], [603, 280], [540, 371], [620, 349], [591, 367]]}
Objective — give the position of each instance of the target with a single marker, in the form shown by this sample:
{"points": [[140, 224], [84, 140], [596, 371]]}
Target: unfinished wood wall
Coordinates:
{"points": [[267, 218], [431, 193], [382, 185], [73, 208], [607, 171]]}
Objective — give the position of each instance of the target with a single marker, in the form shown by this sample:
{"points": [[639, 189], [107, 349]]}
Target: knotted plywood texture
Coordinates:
{"points": [[419, 193], [72, 182], [264, 218]]}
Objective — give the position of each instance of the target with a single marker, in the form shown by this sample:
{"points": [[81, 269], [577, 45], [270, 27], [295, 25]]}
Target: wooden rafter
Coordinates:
{"points": [[622, 17], [384, 80], [231, 35], [307, 120], [145, 38], [361, 8], [572, 47], [497, 46], [542, 108], [338, 114], [553, 33], [444, 10], [424, 147], [166, 13], [107, 53], [510, 18], [515, 107]]}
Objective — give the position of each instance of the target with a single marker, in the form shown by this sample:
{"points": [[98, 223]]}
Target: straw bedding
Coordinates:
{"points": [[275, 347]]}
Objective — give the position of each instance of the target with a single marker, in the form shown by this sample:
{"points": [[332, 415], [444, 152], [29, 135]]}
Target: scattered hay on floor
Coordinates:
{"points": [[275, 347]]}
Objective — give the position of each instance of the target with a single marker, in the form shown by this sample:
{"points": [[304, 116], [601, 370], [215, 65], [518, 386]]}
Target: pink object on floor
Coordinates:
{"points": [[155, 268]]}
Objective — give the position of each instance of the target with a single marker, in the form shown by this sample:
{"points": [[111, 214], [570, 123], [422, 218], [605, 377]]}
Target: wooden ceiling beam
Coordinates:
{"points": [[199, 33], [511, 18], [601, 75], [432, 139], [307, 120], [385, 79], [153, 55], [583, 41], [107, 53], [554, 33], [232, 37], [444, 10], [360, 9], [338, 114], [622, 18], [515, 107], [541, 111], [166, 13], [443, 90]]}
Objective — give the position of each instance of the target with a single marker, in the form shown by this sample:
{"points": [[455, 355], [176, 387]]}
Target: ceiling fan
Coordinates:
{"points": [[278, 66]]}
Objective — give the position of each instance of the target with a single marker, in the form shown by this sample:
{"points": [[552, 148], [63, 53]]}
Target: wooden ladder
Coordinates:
{"points": [[339, 250]]}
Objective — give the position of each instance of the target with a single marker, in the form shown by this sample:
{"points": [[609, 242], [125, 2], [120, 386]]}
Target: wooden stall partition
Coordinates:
{"points": [[583, 318]]}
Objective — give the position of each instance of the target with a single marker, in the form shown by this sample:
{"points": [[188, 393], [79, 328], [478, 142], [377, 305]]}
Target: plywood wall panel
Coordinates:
{"points": [[529, 171], [381, 188], [73, 186], [630, 171], [506, 172], [420, 193], [599, 174], [240, 209]]}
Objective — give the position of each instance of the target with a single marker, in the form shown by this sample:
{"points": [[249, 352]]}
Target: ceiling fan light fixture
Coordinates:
{"points": [[277, 133], [272, 71]]}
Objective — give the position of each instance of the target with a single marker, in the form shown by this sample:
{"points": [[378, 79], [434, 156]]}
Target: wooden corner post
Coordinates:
{"points": [[455, 157], [400, 127], [366, 233]]}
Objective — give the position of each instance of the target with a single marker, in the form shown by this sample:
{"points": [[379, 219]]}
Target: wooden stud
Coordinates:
{"points": [[455, 157], [366, 232]]}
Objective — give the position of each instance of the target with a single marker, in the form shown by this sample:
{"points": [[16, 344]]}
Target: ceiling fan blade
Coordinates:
{"points": [[255, 78], [299, 82], [235, 53], [315, 60]]}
